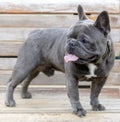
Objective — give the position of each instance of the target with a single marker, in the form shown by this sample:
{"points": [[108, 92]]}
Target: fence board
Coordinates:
{"points": [[8, 64], [47, 20], [57, 79], [117, 49], [58, 6], [12, 48], [18, 18], [9, 49], [20, 34]]}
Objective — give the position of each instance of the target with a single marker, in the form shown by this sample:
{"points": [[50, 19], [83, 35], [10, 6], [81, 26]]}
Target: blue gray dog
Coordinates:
{"points": [[84, 52]]}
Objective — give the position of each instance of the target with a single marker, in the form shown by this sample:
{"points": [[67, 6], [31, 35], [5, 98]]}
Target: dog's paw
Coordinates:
{"points": [[78, 109], [26, 95], [98, 107], [80, 112], [10, 103]]}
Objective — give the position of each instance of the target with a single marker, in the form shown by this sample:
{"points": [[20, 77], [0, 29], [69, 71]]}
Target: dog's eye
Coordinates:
{"points": [[84, 41]]}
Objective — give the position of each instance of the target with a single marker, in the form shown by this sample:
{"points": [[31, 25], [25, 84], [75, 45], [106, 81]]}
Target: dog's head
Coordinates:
{"points": [[87, 41]]}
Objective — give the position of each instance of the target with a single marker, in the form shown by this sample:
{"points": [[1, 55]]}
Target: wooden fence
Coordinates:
{"points": [[19, 17]]}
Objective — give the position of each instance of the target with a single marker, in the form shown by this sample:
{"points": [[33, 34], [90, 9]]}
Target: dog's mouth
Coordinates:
{"points": [[70, 58], [74, 58]]}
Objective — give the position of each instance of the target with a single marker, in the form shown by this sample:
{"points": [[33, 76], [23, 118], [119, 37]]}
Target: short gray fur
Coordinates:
{"points": [[44, 51]]}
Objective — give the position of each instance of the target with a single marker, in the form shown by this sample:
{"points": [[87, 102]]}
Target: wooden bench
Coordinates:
{"points": [[50, 102], [19, 18]]}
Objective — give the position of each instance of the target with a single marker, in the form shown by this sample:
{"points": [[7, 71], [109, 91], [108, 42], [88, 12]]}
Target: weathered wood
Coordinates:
{"points": [[14, 34], [20, 34], [117, 49], [8, 64], [12, 48], [41, 79], [53, 6], [49, 103], [9, 48], [115, 34], [60, 117], [37, 20], [53, 105], [57, 79], [116, 67], [47, 20], [113, 79]]}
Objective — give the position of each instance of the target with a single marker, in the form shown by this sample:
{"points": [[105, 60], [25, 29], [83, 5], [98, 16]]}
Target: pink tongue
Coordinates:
{"points": [[70, 57]]}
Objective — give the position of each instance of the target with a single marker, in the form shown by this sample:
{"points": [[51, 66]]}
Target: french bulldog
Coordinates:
{"points": [[84, 52]]}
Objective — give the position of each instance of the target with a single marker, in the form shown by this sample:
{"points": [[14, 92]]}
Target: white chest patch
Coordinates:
{"points": [[92, 69]]}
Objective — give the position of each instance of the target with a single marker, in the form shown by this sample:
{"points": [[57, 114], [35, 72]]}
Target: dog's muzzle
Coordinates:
{"points": [[79, 56]]}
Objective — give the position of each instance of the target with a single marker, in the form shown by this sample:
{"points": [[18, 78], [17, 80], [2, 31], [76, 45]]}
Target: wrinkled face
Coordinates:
{"points": [[87, 41], [85, 44]]}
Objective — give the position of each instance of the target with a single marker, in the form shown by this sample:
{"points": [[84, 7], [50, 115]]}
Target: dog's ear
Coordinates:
{"points": [[103, 23], [81, 13]]}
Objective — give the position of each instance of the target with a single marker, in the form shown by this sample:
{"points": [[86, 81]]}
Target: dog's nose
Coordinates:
{"points": [[72, 44], [70, 47]]}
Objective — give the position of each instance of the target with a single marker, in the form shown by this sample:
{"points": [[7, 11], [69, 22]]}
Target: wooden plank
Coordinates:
{"points": [[58, 79], [60, 117], [20, 34], [8, 64], [14, 34], [41, 79], [37, 20], [116, 67], [12, 48], [115, 34], [9, 48], [117, 49], [53, 6], [54, 106], [47, 21], [113, 79]]}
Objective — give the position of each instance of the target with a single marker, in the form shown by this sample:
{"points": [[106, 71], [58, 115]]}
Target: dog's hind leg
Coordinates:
{"points": [[18, 75], [25, 93], [46, 70]]}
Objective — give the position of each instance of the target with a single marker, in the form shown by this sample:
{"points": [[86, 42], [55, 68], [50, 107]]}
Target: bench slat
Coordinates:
{"points": [[58, 6], [47, 20]]}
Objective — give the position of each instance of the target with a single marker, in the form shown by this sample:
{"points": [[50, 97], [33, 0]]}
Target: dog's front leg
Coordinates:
{"points": [[73, 94], [97, 85]]}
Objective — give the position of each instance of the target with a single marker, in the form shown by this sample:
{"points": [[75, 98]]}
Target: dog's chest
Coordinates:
{"points": [[92, 69]]}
